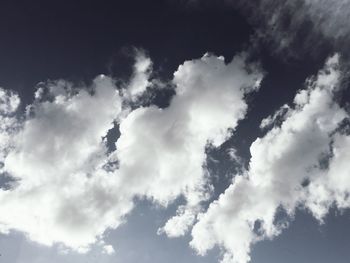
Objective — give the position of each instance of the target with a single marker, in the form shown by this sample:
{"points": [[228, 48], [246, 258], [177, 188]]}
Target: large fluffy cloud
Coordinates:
{"points": [[62, 193], [161, 152], [288, 168], [69, 188]]}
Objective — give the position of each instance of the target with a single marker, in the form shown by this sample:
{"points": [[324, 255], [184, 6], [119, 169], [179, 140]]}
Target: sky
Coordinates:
{"points": [[174, 131]]}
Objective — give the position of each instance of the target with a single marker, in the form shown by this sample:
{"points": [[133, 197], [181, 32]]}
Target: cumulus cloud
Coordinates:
{"points": [[56, 156], [287, 170], [161, 152], [70, 188]]}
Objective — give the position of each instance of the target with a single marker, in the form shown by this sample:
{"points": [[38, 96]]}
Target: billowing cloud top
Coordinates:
{"points": [[67, 188], [66, 181], [300, 162]]}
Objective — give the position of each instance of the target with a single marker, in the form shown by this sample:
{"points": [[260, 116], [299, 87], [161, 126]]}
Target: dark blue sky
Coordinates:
{"points": [[77, 40]]}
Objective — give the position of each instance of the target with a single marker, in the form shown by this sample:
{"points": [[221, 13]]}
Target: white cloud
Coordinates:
{"points": [[140, 78], [161, 152], [65, 194], [178, 225], [333, 188], [281, 161], [9, 103], [108, 249]]}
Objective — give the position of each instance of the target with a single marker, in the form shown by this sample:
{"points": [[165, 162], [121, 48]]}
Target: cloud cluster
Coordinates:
{"points": [[300, 162], [69, 189]]}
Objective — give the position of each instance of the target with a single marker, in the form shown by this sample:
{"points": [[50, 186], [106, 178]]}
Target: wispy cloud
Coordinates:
{"points": [[299, 27]]}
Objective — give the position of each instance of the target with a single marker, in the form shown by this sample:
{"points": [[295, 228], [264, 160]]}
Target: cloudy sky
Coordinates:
{"points": [[177, 131]]}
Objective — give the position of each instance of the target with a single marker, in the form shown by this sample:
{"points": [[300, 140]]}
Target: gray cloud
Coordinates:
{"points": [[299, 27]]}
